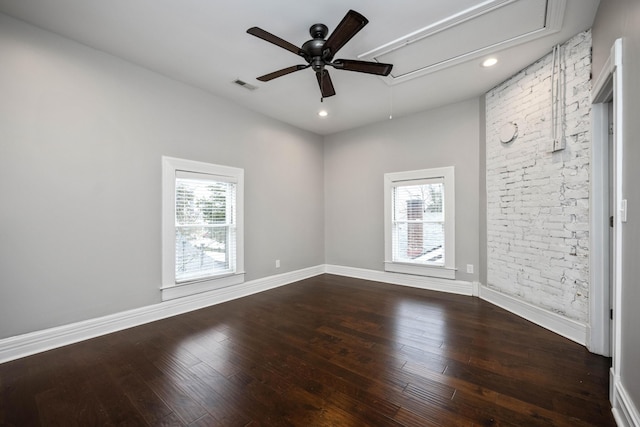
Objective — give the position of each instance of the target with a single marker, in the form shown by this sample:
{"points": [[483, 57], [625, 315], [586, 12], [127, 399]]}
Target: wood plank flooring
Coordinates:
{"points": [[326, 351]]}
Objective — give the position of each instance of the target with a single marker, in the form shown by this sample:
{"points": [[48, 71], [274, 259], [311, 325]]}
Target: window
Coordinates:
{"points": [[202, 244], [419, 222]]}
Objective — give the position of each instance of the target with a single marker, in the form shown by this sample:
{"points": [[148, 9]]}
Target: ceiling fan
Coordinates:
{"points": [[318, 52]]}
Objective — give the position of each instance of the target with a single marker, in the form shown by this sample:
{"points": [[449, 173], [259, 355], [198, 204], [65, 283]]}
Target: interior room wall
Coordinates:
{"points": [[482, 188], [621, 19], [538, 198], [356, 161], [81, 139]]}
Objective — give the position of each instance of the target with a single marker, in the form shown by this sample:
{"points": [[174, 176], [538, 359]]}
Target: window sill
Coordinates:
{"points": [[420, 270], [192, 288]]}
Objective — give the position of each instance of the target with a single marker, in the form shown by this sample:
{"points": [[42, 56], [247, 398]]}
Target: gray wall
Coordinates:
{"points": [[355, 162], [81, 139], [482, 183], [615, 19]]}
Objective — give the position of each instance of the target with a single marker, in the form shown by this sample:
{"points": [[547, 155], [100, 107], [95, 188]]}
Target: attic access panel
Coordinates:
{"points": [[490, 26]]}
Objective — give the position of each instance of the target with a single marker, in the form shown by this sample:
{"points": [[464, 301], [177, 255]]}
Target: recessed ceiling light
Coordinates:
{"points": [[489, 62], [323, 113]]}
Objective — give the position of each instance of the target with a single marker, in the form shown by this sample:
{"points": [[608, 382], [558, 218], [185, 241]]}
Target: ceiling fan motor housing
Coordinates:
{"points": [[314, 48]]}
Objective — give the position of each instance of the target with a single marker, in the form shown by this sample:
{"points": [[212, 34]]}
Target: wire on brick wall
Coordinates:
{"points": [[557, 99]]}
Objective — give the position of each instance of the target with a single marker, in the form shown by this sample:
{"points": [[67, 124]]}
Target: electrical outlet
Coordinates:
{"points": [[470, 268], [277, 263]]}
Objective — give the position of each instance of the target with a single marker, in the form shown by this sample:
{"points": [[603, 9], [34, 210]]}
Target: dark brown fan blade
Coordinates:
{"points": [[264, 35], [282, 72], [346, 29], [363, 66], [324, 81]]}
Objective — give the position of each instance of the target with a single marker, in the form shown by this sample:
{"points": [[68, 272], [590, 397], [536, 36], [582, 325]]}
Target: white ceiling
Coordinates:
{"points": [[204, 43]]}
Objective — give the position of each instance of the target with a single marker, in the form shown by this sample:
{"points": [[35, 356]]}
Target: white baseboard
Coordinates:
{"points": [[35, 342], [624, 411], [571, 329], [431, 283]]}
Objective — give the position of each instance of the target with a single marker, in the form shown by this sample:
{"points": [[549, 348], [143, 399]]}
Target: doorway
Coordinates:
{"points": [[606, 214]]}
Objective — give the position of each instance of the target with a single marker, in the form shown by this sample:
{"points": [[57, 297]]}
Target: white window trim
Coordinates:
{"points": [[171, 289], [447, 271]]}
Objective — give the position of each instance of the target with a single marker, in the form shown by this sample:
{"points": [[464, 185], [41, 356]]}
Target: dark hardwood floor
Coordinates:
{"points": [[327, 351]]}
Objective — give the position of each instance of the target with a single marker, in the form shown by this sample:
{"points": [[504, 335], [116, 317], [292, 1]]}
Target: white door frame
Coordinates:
{"points": [[598, 335], [606, 89]]}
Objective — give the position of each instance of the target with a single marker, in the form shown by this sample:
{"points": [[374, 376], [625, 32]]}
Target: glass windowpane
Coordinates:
{"points": [[418, 224], [205, 228]]}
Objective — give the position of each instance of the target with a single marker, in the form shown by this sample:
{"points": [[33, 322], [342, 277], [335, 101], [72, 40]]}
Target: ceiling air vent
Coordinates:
{"points": [[245, 84]]}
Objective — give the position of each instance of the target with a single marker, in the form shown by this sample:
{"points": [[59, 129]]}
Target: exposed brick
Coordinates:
{"points": [[538, 200]]}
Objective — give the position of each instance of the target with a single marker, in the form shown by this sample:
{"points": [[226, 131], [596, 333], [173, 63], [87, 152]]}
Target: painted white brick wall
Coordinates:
{"points": [[538, 200]]}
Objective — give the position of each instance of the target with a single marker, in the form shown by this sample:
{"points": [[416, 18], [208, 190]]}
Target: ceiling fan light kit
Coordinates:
{"points": [[318, 52]]}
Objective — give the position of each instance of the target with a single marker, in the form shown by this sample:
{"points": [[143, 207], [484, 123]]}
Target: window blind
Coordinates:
{"points": [[205, 226]]}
